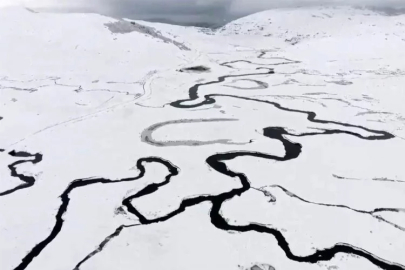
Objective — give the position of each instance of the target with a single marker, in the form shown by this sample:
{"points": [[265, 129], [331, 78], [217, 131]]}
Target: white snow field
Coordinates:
{"points": [[274, 143]]}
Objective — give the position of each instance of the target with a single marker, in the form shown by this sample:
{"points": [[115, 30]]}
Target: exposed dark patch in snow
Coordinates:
{"points": [[293, 41], [196, 69], [386, 10], [287, 82], [382, 179], [372, 112], [260, 85], [341, 82], [30, 90], [262, 266], [385, 179], [281, 61], [146, 135], [124, 27]]}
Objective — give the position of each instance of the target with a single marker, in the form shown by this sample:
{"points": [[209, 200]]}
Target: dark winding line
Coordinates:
{"points": [[116, 233], [85, 182], [262, 54], [193, 91], [311, 116], [287, 62], [217, 162], [29, 181], [292, 151]]}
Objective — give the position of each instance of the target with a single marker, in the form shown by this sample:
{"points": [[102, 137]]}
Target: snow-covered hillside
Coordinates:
{"points": [[275, 142]]}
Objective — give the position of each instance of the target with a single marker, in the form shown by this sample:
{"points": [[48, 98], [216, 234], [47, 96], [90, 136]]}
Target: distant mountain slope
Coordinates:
{"points": [[79, 45], [295, 25]]}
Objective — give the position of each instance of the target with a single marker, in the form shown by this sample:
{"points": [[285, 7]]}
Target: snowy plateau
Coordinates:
{"points": [[273, 143]]}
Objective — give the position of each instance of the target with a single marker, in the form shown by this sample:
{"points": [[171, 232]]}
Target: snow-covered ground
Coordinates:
{"points": [[285, 153]]}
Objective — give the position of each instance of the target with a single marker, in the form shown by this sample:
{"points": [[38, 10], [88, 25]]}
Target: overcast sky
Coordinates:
{"points": [[184, 11]]}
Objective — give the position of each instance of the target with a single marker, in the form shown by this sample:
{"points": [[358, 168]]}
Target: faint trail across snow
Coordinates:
{"points": [[372, 213]]}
